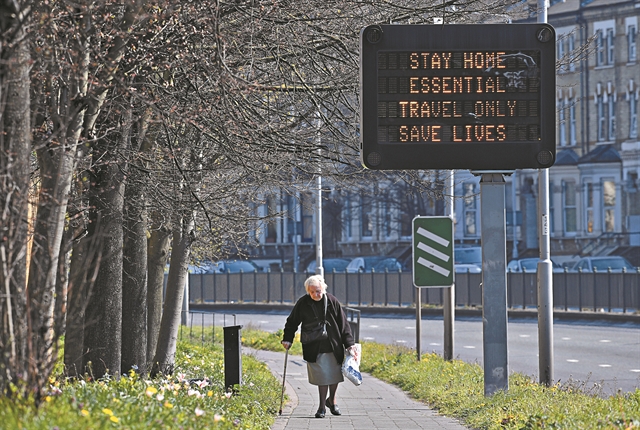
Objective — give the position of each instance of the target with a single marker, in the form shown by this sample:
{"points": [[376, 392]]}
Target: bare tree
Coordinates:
{"points": [[16, 351], [250, 96]]}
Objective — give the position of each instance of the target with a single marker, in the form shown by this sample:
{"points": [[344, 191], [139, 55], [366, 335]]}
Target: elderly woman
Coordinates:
{"points": [[324, 358]]}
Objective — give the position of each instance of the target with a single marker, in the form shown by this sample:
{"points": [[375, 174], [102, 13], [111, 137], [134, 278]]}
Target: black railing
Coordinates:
{"points": [[598, 291]]}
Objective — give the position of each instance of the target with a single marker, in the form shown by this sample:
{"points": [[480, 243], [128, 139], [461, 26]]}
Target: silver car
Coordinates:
{"points": [[616, 263]]}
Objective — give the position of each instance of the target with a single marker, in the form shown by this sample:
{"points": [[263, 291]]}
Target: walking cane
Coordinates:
{"points": [[284, 377]]}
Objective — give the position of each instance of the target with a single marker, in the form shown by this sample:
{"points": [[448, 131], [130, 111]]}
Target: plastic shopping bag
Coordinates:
{"points": [[351, 366]]}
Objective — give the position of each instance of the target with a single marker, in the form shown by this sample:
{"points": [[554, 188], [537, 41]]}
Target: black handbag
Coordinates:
{"points": [[315, 331]]}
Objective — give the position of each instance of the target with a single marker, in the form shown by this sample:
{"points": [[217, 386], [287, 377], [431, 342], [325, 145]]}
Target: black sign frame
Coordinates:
{"points": [[536, 149]]}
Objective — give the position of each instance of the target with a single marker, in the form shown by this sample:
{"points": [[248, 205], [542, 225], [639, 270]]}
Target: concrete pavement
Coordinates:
{"points": [[372, 405]]}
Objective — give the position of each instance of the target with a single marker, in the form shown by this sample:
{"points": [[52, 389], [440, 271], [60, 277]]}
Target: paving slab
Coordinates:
{"points": [[370, 406]]}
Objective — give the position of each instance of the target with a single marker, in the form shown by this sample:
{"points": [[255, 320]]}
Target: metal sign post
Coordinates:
{"points": [[432, 240], [545, 269], [494, 283], [449, 296]]}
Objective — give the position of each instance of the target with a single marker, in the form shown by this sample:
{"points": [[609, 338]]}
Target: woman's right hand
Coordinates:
{"points": [[286, 344]]}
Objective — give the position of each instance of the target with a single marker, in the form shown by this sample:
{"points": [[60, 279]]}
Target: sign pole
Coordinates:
{"points": [[432, 245], [545, 268], [494, 283], [449, 300], [418, 321]]}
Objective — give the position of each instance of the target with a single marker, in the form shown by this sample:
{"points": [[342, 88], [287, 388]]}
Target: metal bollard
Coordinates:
{"points": [[232, 356]]}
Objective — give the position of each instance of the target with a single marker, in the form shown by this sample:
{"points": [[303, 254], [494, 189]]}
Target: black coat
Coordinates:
{"points": [[338, 327]]}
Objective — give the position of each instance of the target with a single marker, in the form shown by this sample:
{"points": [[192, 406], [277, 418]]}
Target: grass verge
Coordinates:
{"points": [[456, 389], [193, 398]]}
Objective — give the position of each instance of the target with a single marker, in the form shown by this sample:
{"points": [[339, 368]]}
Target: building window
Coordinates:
{"points": [[307, 217], [560, 54], [562, 123], [366, 216], [631, 43], [599, 48], [589, 207], [602, 120], [386, 217], [271, 235], [571, 42], [633, 114], [347, 216], [572, 123], [609, 203], [610, 46], [611, 107], [469, 198], [569, 198], [605, 45]]}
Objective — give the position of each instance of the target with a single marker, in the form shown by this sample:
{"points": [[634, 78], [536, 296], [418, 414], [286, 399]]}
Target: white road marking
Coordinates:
{"points": [[374, 326], [410, 328], [571, 360], [566, 338], [604, 365], [605, 341], [635, 370], [368, 338], [434, 344], [469, 347], [525, 335], [401, 341]]}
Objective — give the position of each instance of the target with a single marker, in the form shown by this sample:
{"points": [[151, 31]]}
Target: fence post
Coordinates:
{"points": [[232, 357]]}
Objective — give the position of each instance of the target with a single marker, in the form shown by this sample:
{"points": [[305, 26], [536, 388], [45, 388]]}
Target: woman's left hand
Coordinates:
{"points": [[353, 351]]}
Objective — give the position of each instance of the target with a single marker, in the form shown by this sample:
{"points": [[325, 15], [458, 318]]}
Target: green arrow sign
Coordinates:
{"points": [[433, 251]]}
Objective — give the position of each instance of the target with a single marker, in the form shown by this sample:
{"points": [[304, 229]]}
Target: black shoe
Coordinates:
{"points": [[333, 408], [320, 413]]}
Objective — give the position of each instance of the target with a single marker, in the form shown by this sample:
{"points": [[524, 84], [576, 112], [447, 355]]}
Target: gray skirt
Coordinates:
{"points": [[325, 371]]}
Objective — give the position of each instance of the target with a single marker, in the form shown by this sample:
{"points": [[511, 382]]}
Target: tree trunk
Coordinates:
{"points": [[134, 264], [57, 164], [164, 360], [134, 282], [82, 272], [15, 144], [158, 252], [103, 316]]}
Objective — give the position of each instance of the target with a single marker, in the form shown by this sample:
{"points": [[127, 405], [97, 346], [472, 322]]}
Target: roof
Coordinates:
{"points": [[602, 154], [559, 6], [566, 157]]}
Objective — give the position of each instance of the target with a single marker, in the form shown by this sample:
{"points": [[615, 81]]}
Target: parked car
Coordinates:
{"points": [[235, 266], [467, 268], [200, 267], [530, 265], [362, 264], [390, 264], [467, 259], [602, 264], [330, 265]]}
